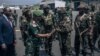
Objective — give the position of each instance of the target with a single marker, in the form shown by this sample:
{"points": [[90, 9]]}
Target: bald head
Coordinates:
{"points": [[7, 11]]}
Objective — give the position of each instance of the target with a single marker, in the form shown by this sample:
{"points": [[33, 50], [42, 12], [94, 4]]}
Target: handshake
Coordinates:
{"points": [[49, 34], [53, 31]]}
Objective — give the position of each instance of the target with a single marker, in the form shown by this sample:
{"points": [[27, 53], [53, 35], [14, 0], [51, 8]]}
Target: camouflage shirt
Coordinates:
{"points": [[65, 25], [33, 31], [82, 23], [48, 19]]}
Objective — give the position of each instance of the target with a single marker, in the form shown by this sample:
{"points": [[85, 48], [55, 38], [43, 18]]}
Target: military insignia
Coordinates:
{"points": [[48, 19]]}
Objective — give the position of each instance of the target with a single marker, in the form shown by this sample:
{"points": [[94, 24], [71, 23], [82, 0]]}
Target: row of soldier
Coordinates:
{"points": [[44, 26], [41, 29]]}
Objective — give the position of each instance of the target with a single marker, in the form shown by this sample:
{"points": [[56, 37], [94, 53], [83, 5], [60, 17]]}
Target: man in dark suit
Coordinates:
{"points": [[7, 36]]}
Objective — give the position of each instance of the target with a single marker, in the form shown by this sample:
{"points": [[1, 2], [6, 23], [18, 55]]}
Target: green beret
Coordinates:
{"points": [[37, 12]]}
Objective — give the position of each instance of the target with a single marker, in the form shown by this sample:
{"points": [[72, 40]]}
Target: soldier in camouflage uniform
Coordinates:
{"points": [[34, 41], [97, 20], [83, 32], [48, 27], [92, 31], [24, 21], [64, 31], [69, 13], [94, 23], [23, 26], [15, 16]]}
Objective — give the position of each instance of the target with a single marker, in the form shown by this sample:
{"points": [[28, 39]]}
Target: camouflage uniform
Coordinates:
{"points": [[48, 27], [33, 42], [15, 18], [92, 30], [23, 28], [64, 33], [81, 24], [25, 36], [24, 25], [69, 13], [97, 16], [97, 20]]}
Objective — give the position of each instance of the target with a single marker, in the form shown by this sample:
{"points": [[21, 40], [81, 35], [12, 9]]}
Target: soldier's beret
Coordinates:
{"points": [[37, 13]]}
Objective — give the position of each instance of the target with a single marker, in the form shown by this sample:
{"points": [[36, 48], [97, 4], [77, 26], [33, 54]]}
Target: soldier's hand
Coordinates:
{"points": [[4, 47], [48, 35], [58, 30]]}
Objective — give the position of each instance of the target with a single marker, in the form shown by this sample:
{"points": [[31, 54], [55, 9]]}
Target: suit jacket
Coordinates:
{"points": [[6, 31]]}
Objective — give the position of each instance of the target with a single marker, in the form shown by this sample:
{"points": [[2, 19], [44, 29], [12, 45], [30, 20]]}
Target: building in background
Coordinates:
{"points": [[51, 3]]}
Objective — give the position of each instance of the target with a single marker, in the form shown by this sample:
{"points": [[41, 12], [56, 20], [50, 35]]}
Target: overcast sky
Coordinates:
{"points": [[20, 2]]}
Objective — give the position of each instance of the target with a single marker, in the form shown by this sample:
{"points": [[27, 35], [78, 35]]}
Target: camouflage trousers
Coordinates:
{"points": [[83, 44], [48, 41], [24, 37], [48, 46], [31, 48], [65, 43]]}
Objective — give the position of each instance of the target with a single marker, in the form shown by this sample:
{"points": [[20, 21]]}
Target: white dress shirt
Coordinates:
{"points": [[8, 20]]}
